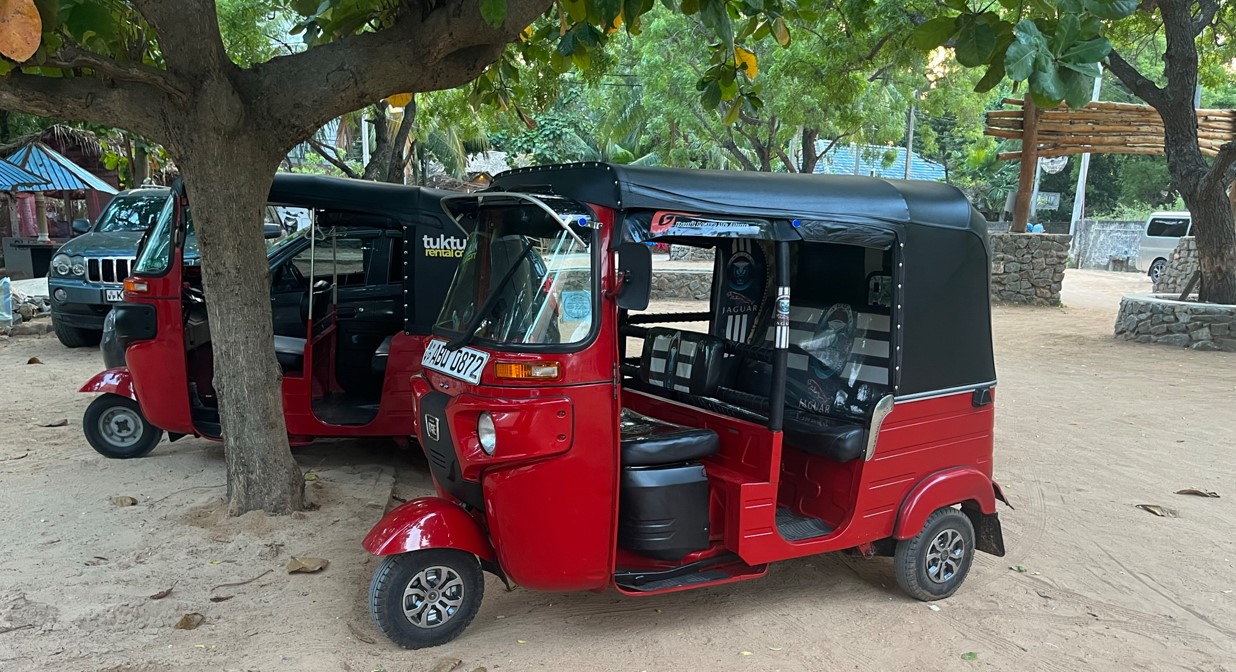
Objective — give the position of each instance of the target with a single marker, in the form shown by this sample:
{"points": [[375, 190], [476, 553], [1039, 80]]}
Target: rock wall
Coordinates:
{"points": [[1099, 241], [689, 253], [695, 285], [1180, 268], [1158, 318], [1028, 268]]}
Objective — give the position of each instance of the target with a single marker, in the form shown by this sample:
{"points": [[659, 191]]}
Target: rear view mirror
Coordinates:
{"points": [[271, 231], [634, 276], [81, 226]]}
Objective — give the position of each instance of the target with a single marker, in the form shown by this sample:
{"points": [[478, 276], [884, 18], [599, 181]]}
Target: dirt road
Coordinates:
{"points": [[1087, 428]]}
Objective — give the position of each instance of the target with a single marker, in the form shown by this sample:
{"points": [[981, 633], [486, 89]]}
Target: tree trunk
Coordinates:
{"points": [[1215, 229], [228, 179], [810, 153]]}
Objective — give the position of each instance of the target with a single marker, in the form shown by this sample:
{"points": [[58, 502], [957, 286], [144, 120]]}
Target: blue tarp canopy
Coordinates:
{"points": [[59, 173], [14, 178]]}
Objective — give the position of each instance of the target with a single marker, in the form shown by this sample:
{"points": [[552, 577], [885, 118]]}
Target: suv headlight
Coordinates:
{"points": [[79, 265], [61, 264], [486, 433]]}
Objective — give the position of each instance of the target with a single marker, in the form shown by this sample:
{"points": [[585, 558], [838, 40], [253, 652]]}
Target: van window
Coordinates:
{"points": [[1167, 228]]}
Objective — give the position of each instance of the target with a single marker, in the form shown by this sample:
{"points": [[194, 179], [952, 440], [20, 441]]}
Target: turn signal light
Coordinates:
{"points": [[526, 370], [135, 286]]}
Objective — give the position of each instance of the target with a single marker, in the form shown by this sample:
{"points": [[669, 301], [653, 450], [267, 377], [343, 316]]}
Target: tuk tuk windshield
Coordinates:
{"points": [[523, 279]]}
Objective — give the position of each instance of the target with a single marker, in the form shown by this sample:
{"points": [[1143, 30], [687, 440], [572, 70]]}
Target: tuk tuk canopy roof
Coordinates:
{"points": [[401, 203], [869, 210]]}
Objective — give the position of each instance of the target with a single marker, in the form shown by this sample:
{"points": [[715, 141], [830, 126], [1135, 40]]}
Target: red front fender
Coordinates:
{"points": [[116, 381], [428, 522], [944, 488]]}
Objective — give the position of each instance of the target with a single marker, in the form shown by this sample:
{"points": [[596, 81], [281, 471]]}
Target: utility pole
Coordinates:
{"points": [[1083, 172], [909, 138]]}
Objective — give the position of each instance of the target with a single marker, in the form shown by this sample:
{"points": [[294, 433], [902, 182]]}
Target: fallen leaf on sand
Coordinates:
{"points": [[444, 665], [521, 641], [774, 648], [55, 423], [34, 360], [123, 500], [360, 635], [307, 565], [221, 598], [190, 621], [311, 475], [1018, 568], [1160, 511], [969, 655], [17, 457], [744, 653], [162, 593], [96, 560], [1198, 493]]}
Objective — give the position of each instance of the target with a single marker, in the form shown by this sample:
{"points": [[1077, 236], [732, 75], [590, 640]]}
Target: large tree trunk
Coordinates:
{"points": [[1215, 229], [228, 179]]}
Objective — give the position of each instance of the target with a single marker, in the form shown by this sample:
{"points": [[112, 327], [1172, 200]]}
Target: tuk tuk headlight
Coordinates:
{"points": [[486, 433], [61, 264]]}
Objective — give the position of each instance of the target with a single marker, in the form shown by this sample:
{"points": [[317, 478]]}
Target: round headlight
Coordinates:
{"points": [[486, 434], [79, 266], [61, 264]]}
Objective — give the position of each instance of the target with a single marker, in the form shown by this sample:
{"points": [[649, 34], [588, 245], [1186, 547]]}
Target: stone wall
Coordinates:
{"points": [[689, 253], [1180, 268], [1028, 268], [1158, 318], [1098, 241], [681, 285]]}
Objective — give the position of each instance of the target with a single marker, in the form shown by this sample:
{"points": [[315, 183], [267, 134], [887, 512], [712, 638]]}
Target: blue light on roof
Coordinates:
{"points": [[796, 223]]}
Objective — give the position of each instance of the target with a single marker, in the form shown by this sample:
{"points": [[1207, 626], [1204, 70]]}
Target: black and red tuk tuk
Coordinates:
{"points": [[354, 293], [838, 396]]}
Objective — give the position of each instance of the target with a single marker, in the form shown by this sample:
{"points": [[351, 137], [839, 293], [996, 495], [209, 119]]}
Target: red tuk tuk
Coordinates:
{"points": [[354, 294], [839, 396]]}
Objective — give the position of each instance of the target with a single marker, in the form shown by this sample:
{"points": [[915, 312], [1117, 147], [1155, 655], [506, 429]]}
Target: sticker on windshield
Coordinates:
{"points": [[668, 223], [465, 363], [576, 305]]}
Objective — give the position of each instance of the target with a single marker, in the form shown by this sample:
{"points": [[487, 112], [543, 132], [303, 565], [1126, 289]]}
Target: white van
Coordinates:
{"points": [[1163, 230]]}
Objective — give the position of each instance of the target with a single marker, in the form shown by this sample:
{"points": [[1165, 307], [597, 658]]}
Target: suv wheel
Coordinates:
{"points": [[74, 337], [1156, 269]]}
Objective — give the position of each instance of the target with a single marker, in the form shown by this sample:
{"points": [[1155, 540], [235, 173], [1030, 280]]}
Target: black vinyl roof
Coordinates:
{"points": [[399, 202], [832, 198]]}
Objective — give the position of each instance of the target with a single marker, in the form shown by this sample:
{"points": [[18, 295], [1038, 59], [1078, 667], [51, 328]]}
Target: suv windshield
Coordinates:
{"points": [[523, 279], [131, 212]]}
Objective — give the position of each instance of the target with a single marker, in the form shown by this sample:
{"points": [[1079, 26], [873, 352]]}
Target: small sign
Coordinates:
{"points": [[576, 305]]}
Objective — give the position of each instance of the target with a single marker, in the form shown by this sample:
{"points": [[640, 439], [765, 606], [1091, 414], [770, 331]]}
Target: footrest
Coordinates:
{"points": [[794, 527]]}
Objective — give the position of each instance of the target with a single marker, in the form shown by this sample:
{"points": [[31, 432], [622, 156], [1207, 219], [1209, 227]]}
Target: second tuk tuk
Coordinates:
{"points": [[836, 394], [353, 296]]}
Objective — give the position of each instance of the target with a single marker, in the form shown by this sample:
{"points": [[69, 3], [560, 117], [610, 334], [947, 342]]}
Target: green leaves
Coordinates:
{"points": [[1019, 59], [494, 12], [934, 33], [1110, 9]]}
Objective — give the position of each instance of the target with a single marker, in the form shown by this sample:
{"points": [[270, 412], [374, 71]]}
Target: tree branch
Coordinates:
{"points": [[331, 157], [1221, 170], [1205, 16], [424, 50], [1137, 82], [134, 106], [71, 57], [187, 32]]}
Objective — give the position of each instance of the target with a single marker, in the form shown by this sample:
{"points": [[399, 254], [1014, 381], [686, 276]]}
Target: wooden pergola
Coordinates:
{"points": [[1098, 128]]}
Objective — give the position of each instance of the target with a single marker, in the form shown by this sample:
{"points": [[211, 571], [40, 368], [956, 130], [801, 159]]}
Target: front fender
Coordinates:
{"points": [[116, 381], [943, 488], [429, 522]]}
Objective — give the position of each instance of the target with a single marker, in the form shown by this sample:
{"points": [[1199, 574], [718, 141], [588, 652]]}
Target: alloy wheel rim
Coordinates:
{"points": [[121, 427], [944, 556], [433, 597]]}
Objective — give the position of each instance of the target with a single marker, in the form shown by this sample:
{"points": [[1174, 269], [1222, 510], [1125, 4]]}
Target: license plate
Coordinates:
{"points": [[465, 363], [113, 295]]}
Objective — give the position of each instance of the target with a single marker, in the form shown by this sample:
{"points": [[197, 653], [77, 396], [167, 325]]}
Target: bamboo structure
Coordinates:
{"points": [[1103, 128]]}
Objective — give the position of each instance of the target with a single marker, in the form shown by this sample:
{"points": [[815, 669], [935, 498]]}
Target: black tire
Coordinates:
{"points": [[115, 427], [932, 564], [75, 337], [1156, 269], [397, 573]]}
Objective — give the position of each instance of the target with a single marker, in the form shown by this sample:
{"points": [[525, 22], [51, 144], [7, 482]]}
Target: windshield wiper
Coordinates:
{"points": [[492, 300]]}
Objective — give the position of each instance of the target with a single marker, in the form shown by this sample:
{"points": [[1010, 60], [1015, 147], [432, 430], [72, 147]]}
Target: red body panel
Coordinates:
{"points": [[114, 381], [940, 489], [428, 522]]}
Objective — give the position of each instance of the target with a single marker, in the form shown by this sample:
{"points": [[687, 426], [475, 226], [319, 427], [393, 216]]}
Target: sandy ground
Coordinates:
{"points": [[1087, 428]]}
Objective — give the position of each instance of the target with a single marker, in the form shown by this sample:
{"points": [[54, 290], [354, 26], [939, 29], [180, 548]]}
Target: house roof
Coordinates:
{"points": [[840, 161], [59, 172], [15, 178]]}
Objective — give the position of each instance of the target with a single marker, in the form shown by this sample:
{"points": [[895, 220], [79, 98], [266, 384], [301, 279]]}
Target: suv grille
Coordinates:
{"points": [[108, 269]]}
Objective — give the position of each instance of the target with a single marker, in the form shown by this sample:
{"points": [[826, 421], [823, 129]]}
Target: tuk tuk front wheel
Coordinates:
{"points": [[426, 598], [115, 427], [932, 564]]}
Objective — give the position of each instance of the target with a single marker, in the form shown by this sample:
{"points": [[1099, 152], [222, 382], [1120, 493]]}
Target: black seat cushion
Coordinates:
{"points": [[683, 361], [827, 437], [383, 353], [290, 351], [647, 442]]}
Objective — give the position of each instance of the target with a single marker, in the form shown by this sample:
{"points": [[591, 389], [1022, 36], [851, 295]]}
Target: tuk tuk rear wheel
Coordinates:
{"points": [[426, 598], [115, 427], [932, 564]]}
